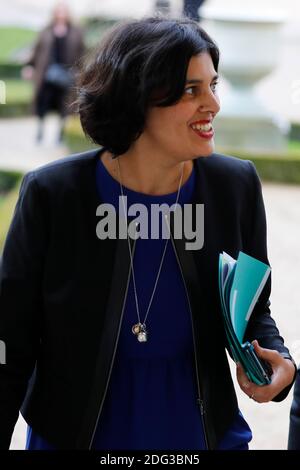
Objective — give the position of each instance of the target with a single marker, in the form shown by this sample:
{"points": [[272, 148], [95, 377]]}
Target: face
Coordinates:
{"points": [[184, 130], [61, 13]]}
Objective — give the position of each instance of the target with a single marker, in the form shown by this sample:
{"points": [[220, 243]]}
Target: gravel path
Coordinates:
{"points": [[18, 148]]}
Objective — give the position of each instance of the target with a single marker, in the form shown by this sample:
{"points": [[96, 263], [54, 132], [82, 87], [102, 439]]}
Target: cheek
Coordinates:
{"points": [[171, 121], [161, 124], [183, 114]]}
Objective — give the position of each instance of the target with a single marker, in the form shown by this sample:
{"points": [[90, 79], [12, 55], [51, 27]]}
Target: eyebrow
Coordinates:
{"points": [[196, 80]]}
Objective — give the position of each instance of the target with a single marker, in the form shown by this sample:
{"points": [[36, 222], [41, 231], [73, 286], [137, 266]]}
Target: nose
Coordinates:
{"points": [[209, 103]]}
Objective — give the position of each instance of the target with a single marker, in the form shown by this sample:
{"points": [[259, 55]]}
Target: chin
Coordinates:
{"points": [[205, 151]]}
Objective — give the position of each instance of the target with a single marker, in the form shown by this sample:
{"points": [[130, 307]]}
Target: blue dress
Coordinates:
{"points": [[151, 398]]}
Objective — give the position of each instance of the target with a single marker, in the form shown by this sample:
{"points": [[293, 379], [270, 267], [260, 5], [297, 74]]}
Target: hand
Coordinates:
{"points": [[27, 72], [283, 374]]}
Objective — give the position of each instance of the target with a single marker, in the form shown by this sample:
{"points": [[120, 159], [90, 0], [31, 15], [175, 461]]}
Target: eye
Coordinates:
{"points": [[191, 90], [214, 86]]}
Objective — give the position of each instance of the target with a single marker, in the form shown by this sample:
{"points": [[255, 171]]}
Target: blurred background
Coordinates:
{"points": [[40, 43]]}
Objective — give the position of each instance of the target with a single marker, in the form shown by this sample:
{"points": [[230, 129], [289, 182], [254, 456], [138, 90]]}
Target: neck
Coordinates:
{"points": [[152, 174], [60, 25]]}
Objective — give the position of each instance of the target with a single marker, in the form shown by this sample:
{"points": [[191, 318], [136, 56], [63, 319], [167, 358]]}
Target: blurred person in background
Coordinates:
{"points": [[294, 429], [122, 339], [191, 8], [52, 68], [162, 7]]}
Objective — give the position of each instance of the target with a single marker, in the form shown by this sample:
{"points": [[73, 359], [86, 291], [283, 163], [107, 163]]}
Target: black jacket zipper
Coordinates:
{"points": [[200, 401], [114, 353]]}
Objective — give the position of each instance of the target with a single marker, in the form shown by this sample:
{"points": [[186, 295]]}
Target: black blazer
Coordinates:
{"points": [[294, 429], [62, 292]]}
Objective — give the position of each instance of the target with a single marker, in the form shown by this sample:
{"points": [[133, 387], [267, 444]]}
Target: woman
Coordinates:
{"points": [[191, 8], [125, 332], [60, 43]]}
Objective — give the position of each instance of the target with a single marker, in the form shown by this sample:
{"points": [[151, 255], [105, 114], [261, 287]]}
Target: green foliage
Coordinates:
{"points": [[7, 206], [18, 91], [294, 133], [12, 39], [284, 170], [15, 43], [280, 168], [8, 180], [95, 28], [294, 148], [10, 70], [75, 138], [19, 95], [277, 168], [9, 188]]}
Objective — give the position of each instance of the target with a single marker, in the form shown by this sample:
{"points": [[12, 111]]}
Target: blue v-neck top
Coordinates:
{"points": [[151, 397]]}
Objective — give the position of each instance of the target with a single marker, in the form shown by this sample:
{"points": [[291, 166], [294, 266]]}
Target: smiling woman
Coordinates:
{"points": [[145, 64], [114, 332]]}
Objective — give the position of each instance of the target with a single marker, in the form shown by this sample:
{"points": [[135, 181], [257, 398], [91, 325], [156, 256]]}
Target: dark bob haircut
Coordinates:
{"points": [[139, 64]]}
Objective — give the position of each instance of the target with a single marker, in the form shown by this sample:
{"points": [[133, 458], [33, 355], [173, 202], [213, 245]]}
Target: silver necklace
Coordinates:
{"points": [[139, 329]]}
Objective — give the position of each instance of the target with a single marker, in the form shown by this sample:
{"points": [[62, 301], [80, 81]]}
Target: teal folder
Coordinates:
{"points": [[240, 284]]}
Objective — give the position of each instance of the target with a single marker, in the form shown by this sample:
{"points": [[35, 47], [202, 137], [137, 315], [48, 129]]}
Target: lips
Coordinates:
{"points": [[203, 128]]}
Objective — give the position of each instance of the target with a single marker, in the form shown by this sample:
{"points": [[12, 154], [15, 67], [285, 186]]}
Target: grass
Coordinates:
{"points": [[294, 148], [9, 188], [18, 91], [19, 94], [7, 206], [14, 38]]}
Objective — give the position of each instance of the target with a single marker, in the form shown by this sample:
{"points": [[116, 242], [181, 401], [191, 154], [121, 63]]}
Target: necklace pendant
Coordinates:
{"points": [[139, 330], [142, 336], [136, 329]]}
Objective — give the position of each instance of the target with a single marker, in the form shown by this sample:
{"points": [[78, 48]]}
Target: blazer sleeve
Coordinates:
{"points": [[294, 428], [261, 324], [21, 277], [35, 52]]}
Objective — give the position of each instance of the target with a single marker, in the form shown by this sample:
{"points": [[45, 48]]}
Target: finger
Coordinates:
{"points": [[240, 373], [258, 393], [249, 388], [243, 380], [268, 355]]}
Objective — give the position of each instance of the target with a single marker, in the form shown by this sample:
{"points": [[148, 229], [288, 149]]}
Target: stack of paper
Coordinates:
{"points": [[240, 283]]}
